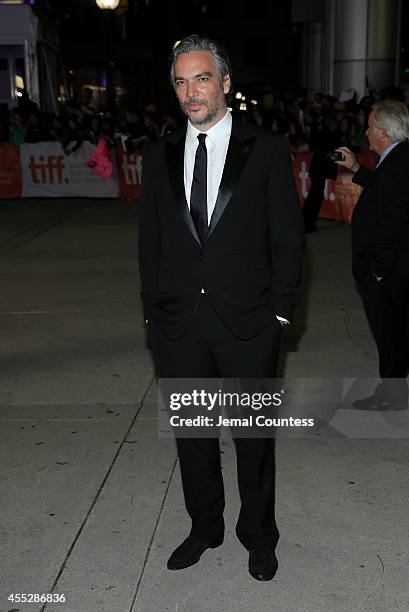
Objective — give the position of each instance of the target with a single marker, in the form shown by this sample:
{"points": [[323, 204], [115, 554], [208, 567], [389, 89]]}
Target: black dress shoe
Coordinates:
{"points": [[190, 551], [263, 563], [378, 405]]}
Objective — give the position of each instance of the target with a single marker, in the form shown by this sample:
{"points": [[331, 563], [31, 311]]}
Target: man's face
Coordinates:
{"points": [[198, 88], [378, 137]]}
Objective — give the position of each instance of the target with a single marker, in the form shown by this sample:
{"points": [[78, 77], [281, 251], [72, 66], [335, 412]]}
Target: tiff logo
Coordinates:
{"points": [[48, 169], [132, 169]]}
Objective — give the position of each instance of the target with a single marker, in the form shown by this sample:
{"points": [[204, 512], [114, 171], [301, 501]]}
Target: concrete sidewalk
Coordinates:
{"points": [[91, 503]]}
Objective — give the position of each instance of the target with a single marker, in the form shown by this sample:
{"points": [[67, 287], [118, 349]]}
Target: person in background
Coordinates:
{"points": [[380, 249], [35, 129], [88, 106], [108, 131], [72, 136], [345, 131], [359, 141], [320, 169], [91, 128], [54, 128], [27, 106], [257, 116], [296, 137], [151, 123], [171, 123], [277, 123], [18, 129]]}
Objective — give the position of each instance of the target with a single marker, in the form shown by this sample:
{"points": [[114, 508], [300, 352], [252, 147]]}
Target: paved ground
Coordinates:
{"points": [[91, 504]]}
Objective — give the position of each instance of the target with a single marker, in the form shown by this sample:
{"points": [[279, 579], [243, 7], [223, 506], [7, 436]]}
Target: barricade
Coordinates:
{"points": [[44, 170], [10, 171], [48, 172], [129, 174], [340, 195]]}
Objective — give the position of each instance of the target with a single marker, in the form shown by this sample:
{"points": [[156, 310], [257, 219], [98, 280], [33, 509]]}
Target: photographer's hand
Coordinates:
{"points": [[349, 160]]}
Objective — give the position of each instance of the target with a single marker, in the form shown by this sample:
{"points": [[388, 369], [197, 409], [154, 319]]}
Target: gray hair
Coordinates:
{"points": [[392, 116], [194, 42]]}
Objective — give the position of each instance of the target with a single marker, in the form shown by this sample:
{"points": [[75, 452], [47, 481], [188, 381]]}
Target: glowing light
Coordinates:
{"points": [[107, 4], [239, 95]]}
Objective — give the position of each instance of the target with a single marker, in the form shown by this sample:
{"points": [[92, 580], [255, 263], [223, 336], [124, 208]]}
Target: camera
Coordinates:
{"points": [[334, 156]]}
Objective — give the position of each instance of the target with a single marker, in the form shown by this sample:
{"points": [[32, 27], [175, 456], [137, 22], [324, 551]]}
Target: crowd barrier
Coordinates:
{"points": [[44, 170], [340, 195]]}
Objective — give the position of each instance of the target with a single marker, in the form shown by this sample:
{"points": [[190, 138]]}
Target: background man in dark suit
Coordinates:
{"points": [[221, 240], [320, 169], [380, 248]]}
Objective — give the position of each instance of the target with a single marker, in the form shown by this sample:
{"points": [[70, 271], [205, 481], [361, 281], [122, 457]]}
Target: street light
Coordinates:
{"points": [[107, 4]]}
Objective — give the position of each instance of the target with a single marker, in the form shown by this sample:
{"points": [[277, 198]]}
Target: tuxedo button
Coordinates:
{"points": [[202, 257]]}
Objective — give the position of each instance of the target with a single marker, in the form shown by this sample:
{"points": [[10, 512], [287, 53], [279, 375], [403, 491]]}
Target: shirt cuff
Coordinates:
{"points": [[282, 320]]}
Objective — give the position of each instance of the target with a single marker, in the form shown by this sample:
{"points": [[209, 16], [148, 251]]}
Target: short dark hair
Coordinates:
{"points": [[194, 42]]}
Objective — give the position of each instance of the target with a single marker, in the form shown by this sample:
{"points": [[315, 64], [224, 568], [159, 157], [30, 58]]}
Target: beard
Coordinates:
{"points": [[212, 111]]}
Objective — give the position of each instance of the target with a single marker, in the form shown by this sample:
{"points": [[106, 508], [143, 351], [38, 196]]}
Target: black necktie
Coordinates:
{"points": [[198, 194]]}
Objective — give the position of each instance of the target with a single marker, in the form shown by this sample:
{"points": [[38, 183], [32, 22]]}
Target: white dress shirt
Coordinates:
{"points": [[217, 142], [387, 151]]}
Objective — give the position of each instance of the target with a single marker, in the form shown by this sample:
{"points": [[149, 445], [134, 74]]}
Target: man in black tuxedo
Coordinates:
{"points": [[221, 241], [380, 248]]}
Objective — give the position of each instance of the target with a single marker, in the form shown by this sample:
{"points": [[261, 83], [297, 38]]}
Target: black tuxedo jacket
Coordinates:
{"points": [[249, 265], [380, 224]]}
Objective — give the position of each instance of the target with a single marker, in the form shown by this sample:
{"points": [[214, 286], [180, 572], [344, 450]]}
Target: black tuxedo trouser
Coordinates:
{"points": [[209, 350], [313, 201], [390, 327]]}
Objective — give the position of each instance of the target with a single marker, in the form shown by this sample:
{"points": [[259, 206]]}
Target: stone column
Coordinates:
{"points": [[365, 43], [314, 55]]}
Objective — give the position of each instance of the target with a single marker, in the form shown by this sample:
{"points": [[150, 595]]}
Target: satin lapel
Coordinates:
{"points": [[237, 156], [175, 152]]}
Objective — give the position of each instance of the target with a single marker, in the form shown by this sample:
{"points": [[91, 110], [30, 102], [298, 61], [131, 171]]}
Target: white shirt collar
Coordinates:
{"points": [[216, 134], [387, 151]]}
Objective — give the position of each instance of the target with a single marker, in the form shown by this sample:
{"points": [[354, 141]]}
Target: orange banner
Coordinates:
{"points": [[340, 196], [10, 171]]}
